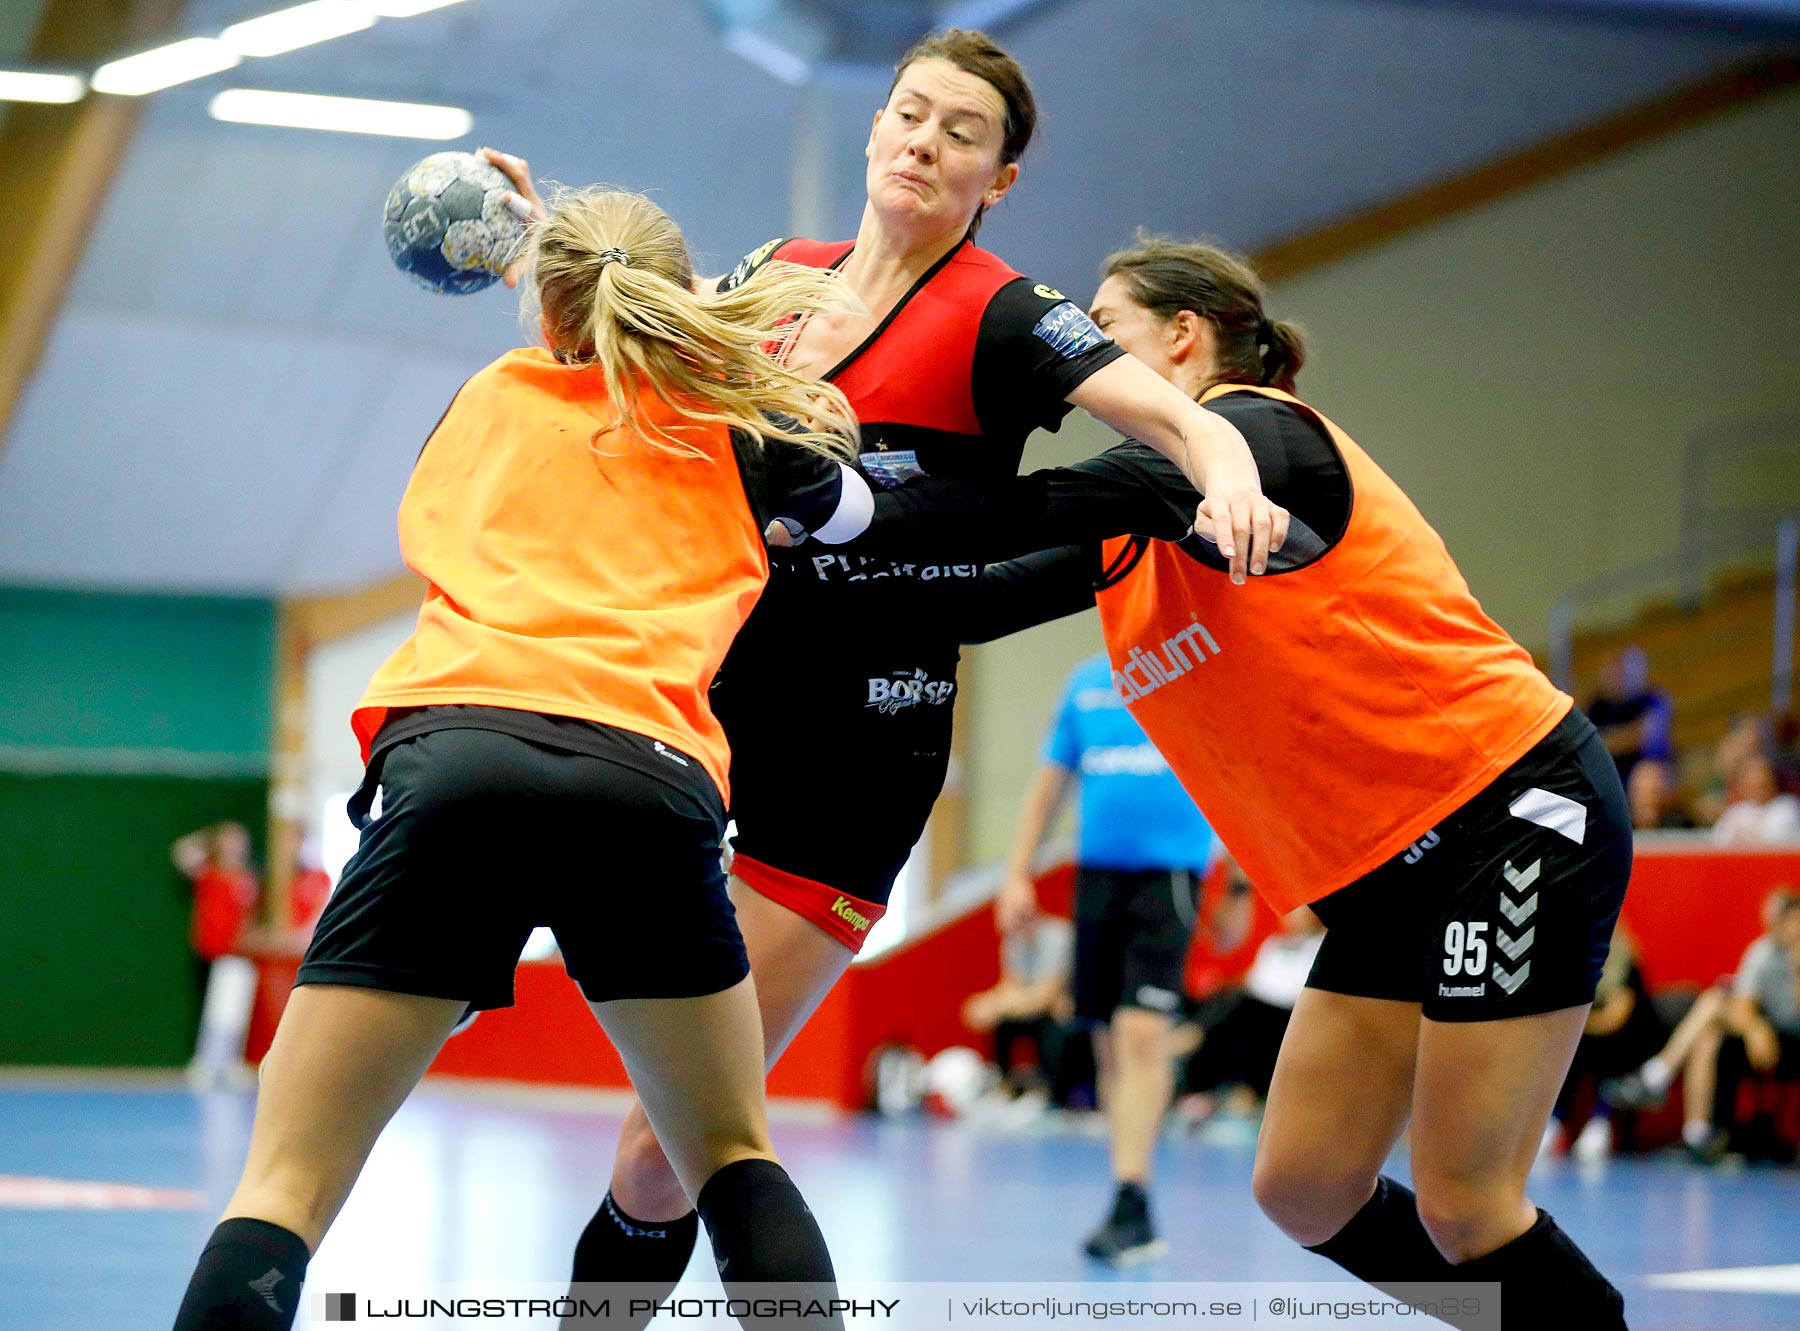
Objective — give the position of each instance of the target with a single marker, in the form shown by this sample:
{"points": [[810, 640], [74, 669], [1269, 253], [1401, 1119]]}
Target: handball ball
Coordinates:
{"points": [[447, 225]]}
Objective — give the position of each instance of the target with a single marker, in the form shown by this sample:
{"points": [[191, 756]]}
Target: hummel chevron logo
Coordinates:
{"points": [[1511, 982], [1517, 915], [1520, 879], [266, 1287], [1514, 947]]}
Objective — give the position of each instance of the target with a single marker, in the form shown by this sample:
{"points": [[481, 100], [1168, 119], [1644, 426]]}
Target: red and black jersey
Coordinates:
{"points": [[950, 384], [971, 361]]}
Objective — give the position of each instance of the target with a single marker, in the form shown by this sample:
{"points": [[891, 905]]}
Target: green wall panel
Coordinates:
{"points": [[125, 721], [94, 961], [90, 671]]}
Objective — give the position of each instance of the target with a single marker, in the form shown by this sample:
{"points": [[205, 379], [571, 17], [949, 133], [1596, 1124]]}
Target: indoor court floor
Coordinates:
{"points": [[108, 1189]]}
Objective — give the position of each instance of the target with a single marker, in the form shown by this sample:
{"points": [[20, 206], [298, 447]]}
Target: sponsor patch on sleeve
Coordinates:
{"points": [[746, 266], [1069, 331]]}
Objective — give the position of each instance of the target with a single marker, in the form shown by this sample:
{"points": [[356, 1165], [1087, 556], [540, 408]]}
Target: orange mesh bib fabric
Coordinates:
{"points": [[594, 578], [1324, 719]]}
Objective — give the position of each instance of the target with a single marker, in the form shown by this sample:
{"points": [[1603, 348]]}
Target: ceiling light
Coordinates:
{"points": [[406, 8], [350, 115], [302, 25], [164, 67], [19, 86]]}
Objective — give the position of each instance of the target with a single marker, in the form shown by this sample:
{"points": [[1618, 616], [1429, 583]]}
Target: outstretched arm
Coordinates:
{"points": [[1235, 514], [1117, 493], [1019, 594]]}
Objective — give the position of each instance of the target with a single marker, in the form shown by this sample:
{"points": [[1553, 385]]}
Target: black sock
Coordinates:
{"points": [[1547, 1281], [761, 1232], [247, 1279], [1386, 1241], [647, 1255], [1386, 1245]]}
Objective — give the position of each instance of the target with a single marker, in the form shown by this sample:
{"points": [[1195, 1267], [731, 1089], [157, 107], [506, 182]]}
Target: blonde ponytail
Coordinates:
{"points": [[614, 289]]}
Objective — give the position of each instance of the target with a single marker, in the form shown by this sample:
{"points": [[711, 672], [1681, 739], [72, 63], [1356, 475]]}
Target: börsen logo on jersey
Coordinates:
{"points": [[909, 690], [1145, 672]]}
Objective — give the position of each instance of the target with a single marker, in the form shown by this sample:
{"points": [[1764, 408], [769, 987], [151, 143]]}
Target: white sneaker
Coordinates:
{"points": [[1024, 1111], [1595, 1141]]}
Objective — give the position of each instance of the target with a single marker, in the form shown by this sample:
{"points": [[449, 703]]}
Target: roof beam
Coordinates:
{"points": [[59, 162], [1535, 165]]}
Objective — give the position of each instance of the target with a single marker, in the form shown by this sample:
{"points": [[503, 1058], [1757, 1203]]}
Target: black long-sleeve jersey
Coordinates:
{"points": [[1129, 490]]}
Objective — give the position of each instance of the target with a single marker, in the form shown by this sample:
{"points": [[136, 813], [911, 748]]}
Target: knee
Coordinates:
{"points": [[1141, 1039], [1307, 1200], [643, 1180], [1463, 1216]]}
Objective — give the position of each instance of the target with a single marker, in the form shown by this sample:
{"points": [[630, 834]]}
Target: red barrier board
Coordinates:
{"points": [[1693, 910]]}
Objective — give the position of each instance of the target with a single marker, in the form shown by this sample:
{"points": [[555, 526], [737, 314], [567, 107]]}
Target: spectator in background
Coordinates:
{"points": [[1655, 802], [1632, 716], [1785, 732], [216, 860], [1692, 1051], [1032, 1007], [308, 892], [1763, 1014], [1143, 848], [1774, 907], [1634, 1048], [1759, 812], [1748, 736], [1240, 1049], [1226, 918], [1214, 989]]}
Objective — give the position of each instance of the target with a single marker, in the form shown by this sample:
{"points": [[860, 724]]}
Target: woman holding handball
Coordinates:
{"points": [[590, 521], [952, 362]]}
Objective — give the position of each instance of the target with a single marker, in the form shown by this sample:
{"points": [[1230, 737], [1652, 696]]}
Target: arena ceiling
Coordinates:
{"points": [[236, 384]]}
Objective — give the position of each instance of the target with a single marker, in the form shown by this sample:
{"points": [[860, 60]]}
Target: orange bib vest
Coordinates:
{"points": [[601, 579], [1325, 719]]}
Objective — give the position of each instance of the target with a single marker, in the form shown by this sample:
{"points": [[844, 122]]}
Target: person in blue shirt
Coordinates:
{"points": [[1633, 716], [1142, 850]]}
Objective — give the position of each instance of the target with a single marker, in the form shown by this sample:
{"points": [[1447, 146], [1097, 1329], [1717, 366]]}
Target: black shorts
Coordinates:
{"points": [[834, 779], [1132, 928], [1506, 907], [483, 835]]}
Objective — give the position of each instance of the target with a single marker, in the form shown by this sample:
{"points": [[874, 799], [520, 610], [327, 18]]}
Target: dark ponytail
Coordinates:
{"points": [[1283, 356], [1169, 276]]}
